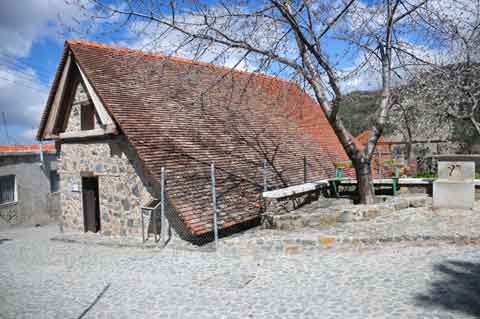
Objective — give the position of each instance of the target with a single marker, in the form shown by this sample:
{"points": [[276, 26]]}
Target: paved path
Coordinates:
{"points": [[411, 225], [40, 278]]}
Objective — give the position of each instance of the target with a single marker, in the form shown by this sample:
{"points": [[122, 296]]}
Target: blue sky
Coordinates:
{"points": [[32, 34], [29, 53]]}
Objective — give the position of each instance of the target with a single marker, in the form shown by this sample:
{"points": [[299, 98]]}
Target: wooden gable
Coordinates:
{"points": [[71, 76]]}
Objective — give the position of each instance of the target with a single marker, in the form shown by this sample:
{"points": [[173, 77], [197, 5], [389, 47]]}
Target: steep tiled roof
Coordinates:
{"points": [[184, 115], [382, 144]]}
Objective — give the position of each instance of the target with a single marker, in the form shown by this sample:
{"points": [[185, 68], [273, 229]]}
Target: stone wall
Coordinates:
{"points": [[277, 206], [427, 189], [10, 213], [329, 212], [122, 186], [74, 121]]}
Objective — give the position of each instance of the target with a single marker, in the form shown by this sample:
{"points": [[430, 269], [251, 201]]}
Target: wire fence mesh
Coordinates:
{"points": [[220, 199]]}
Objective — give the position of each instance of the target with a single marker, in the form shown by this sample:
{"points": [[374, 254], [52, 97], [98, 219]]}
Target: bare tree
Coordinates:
{"points": [[435, 104], [292, 38], [436, 101]]}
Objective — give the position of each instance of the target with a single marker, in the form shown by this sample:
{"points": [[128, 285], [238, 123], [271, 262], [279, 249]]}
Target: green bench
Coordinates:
{"points": [[334, 183]]}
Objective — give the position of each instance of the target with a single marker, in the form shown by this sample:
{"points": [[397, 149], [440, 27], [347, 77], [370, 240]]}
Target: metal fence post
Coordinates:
{"points": [[214, 205], [155, 229], [265, 184], [162, 209], [380, 173], [305, 172], [143, 226]]}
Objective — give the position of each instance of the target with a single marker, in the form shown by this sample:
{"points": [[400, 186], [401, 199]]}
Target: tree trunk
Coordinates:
{"points": [[408, 151], [366, 190]]}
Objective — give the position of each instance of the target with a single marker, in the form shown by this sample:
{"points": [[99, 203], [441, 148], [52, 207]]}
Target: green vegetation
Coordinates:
{"points": [[426, 175], [434, 175], [357, 110]]}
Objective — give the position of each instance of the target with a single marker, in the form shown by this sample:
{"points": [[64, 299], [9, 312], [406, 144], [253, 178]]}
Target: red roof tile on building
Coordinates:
{"points": [[382, 152], [184, 115], [26, 148]]}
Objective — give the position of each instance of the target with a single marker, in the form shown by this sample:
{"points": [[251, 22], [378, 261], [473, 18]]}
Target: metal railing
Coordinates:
{"points": [[153, 213], [157, 206]]}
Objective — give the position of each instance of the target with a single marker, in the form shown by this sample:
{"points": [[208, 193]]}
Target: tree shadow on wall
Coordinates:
{"points": [[458, 290]]}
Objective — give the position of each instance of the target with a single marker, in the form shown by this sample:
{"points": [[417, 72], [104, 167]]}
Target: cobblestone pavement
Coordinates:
{"points": [[40, 278], [411, 224], [414, 223]]}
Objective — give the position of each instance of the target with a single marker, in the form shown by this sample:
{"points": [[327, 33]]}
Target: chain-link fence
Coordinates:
{"points": [[219, 199]]}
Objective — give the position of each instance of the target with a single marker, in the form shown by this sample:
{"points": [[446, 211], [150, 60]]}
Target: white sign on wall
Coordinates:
{"points": [[456, 171], [455, 187], [73, 187]]}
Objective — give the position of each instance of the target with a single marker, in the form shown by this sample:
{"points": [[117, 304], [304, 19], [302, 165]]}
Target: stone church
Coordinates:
{"points": [[118, 116]]}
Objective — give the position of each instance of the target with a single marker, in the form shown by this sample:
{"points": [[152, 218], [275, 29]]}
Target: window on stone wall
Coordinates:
{"points": [[87, 117], [7, 189], [54, 182]]}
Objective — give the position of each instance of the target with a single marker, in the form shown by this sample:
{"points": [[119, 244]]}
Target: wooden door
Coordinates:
{"points": [[91, 209]]}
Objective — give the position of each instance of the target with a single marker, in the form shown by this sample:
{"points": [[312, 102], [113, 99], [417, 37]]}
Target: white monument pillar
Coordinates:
{"points": [[455, 185]]}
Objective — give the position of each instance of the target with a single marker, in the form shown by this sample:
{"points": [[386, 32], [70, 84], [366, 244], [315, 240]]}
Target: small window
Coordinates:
{"points": [[87, 117], [7, 189], [54, 182]]}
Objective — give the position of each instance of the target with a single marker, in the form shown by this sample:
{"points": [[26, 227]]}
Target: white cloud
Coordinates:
{"points": [[28, 135], [22, 98], [24, 23], [150, 36]]}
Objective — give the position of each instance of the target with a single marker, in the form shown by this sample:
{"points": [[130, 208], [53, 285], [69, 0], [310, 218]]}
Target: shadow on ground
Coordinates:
{"points": [[458, 290], [2, 240]]}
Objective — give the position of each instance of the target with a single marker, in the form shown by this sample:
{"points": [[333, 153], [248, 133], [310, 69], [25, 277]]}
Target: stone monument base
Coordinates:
{"points": [[453, 194]]}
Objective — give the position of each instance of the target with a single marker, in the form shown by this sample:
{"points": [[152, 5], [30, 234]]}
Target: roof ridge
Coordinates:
{"points": [[174, 58]]}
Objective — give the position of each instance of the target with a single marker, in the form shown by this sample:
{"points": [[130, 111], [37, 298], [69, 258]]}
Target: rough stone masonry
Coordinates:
{"points": [[123, 188]]}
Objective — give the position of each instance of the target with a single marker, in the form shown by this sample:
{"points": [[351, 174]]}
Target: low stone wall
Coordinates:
{"points": [[277, 206], [416, 189], [427, 189], [9, 213], [328, 212]]}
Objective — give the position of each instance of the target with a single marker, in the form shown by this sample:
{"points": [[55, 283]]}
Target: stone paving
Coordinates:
{"points": [[406, 225], [40, 278]]}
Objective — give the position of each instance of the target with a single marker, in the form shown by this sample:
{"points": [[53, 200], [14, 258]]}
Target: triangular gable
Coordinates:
{"points": [[54, 124]]}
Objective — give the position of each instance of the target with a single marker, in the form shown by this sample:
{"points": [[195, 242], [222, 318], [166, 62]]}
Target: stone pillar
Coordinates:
{"points": [[455, 187]]}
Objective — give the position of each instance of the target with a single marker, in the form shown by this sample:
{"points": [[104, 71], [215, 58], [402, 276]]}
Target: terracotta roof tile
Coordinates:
{"points": [[383, 147], [26, 148], [184, 115]]}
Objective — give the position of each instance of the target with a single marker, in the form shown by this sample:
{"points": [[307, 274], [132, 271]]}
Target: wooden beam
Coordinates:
{"points": [[105, 118], [57, 101], [108, 130]]}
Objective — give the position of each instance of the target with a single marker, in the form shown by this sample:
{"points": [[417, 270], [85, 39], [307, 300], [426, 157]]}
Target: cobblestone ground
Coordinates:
{"points": [[40, 278], [411, 224]]}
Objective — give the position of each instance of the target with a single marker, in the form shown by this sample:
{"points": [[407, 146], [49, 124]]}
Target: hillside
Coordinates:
{"points": [[358, 109]]}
